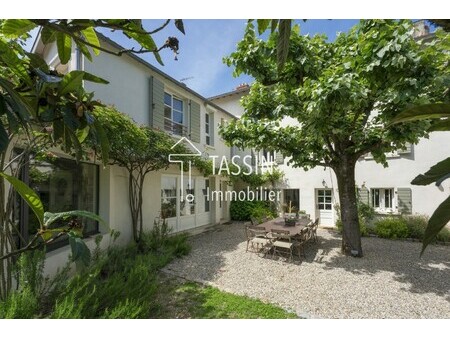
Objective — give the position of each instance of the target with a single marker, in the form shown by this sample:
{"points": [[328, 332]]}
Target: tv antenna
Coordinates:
{"points": [[186, 78]]}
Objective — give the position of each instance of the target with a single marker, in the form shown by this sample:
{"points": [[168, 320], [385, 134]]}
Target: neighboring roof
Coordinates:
{"points": [[166, 76], [233, 92]]}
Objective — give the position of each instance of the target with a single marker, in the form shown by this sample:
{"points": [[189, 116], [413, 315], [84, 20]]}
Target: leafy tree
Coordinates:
{"points": [[140, 150], [343, 95], [40, 107]]}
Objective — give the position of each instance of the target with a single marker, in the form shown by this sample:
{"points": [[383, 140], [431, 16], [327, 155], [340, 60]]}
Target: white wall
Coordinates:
{"points": [[231, 103], [404, 169]]}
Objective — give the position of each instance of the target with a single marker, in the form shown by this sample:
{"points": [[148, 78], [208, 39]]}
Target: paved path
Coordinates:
{"points": [[390, 281]]}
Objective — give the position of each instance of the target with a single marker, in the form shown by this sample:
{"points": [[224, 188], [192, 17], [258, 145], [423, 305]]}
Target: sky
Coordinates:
{"points": [[206, 43]]}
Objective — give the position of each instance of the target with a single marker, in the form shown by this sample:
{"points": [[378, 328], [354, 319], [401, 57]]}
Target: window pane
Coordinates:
{"points": [[291, 200], [177, 129], [321, 206], [376, 198], [168, 197], [328, 206], [64, 185], [177, 104], [388, 198], [207, 118], [328, 199], [177, 117], [327, 192], [168, 113], [187, 205], [208, 140], [167, 99]]}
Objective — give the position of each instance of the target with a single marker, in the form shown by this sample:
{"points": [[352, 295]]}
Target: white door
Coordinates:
{"points": [[325, 207]]}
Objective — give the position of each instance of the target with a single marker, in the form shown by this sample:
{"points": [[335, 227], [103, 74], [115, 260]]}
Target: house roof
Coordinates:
{"points": [[114, 44], [164, 75], [239, 90]]}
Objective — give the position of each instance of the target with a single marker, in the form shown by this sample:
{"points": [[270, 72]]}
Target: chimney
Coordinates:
{"points": [[421, 29], [242, 86]]}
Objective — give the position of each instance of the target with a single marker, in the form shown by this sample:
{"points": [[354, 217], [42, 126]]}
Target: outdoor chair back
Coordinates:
{"points": [[282, 242], [256, 236]]}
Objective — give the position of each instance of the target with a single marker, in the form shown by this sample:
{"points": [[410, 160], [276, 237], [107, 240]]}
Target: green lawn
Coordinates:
{"points": [[180, 299]]}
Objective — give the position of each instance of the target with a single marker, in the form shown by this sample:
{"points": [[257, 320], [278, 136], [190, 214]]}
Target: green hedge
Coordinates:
{"points": [[243, 210], [391, 227]]}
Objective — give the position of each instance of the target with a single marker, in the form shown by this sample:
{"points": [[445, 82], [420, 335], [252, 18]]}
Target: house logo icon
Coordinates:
{"points": [[178, 158]]}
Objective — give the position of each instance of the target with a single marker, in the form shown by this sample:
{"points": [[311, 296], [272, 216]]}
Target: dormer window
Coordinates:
{"points": [[174, 118]]}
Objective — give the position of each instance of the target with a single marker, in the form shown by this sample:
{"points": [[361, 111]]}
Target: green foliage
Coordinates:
{"points": [[392, 227], [28, 272], [29, 196], [439, 114], [140, 150], [244, 210], [160, 239], [443, 235], [346, 77], [46, 233], [363, 228], [119, 283], [331, 89], [255, 180], [22, 304], [418, 224]]}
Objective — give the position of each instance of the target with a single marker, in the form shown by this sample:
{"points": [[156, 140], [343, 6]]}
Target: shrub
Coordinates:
{"points": [[243, 210], [391, 227], [160, 241], [443, 235], [362, 226], [22, 304], [416, 225]]}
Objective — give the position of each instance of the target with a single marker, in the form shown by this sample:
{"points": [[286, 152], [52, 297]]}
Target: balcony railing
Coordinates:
{"points": [[175, 128]]}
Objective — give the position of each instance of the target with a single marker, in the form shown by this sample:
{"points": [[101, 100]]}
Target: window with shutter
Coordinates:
{"points": [[279, 158], [404, 196], [364, 195], [157, 103], [194, 121]]}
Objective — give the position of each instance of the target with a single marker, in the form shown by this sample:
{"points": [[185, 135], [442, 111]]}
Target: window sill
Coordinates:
{"points": [[387, 212], [210, 147]]}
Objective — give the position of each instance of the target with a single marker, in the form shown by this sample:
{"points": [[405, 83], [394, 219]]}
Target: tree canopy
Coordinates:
{"points": [[342, 96], [31, 93]]}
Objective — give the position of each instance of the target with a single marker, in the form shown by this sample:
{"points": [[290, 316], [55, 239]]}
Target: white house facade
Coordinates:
{"points": [[150, 97]]}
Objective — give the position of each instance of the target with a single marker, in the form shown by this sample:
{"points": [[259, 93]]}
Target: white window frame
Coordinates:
{"points": [[271, 158], [208, 129], [172, 109], [164, 198], [382, 207]]}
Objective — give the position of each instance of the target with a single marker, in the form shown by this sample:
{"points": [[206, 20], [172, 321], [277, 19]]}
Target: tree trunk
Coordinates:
{"points": [[133, 208], [351, 235]]}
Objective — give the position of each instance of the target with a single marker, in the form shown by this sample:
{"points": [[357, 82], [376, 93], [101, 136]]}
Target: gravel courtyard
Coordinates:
{"points": [[390, 281]]}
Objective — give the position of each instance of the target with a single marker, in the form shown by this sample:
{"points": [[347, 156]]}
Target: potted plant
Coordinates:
{"points": [[290, 217]]}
